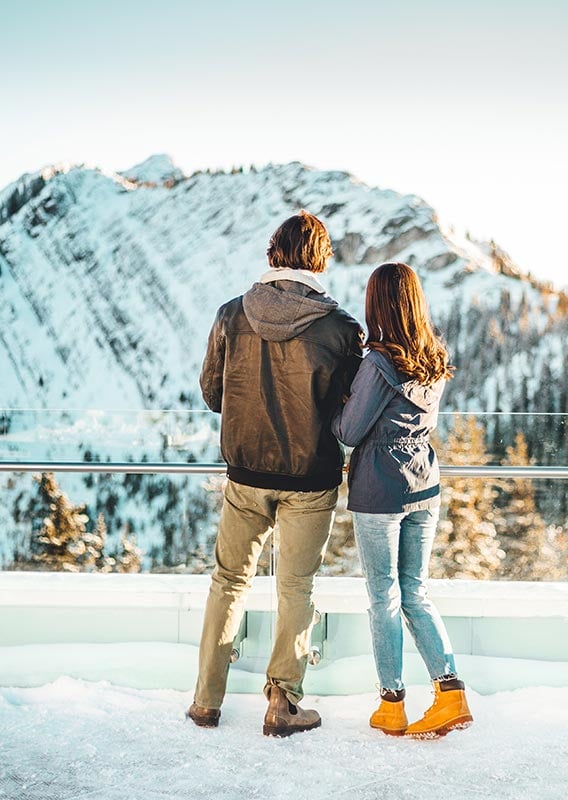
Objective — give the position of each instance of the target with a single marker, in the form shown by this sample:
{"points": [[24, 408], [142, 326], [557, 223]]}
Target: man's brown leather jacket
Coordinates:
{"points": [[279, 359]]}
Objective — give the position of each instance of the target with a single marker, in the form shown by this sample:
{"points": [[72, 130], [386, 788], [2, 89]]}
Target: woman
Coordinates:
{"points": [[394, 494]]}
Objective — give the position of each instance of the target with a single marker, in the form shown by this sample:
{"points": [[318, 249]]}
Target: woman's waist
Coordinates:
{"points": [[397, 440]]}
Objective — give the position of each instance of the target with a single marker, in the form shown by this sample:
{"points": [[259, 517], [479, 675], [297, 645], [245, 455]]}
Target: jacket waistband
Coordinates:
{"points": [[408, 441]]}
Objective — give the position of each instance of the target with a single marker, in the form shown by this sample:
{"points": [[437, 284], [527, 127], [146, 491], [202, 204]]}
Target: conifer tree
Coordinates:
{"points": [[529, 555], [130, 558], [466, 545], [63, 541]]}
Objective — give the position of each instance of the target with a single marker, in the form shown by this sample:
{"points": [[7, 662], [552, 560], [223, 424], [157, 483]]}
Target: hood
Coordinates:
{"points": [[280, 311], [424, 397]]}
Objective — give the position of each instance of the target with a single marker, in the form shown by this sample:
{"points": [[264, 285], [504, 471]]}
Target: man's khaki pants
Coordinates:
{"points": [[247, 518]]}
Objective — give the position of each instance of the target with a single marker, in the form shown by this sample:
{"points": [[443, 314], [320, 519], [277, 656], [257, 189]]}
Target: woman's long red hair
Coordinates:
{"points": [[398, 324]]}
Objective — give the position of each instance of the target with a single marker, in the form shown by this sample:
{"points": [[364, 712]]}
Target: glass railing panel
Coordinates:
{"points": [[174, 517], [109, 522], [502, 529], [150, 522], [518, 439], [192, 436], [104, 435]]}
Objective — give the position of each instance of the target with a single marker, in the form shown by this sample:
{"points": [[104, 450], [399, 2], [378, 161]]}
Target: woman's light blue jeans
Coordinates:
{"points": [[395, 552]]}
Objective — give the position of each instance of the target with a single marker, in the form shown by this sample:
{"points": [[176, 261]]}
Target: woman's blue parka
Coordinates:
{"points": [[388, 419]]}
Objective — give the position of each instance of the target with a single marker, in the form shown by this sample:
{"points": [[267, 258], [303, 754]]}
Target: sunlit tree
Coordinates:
{"points": [[529, 547], [63, 541], [466, 544]]}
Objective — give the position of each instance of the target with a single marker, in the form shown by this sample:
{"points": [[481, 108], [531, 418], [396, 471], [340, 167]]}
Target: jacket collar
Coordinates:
{"points": [[288, 274]]}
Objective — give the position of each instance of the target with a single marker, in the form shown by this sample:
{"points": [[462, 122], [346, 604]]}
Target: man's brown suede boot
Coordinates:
{"points": [[204, 717], [283, 718]]}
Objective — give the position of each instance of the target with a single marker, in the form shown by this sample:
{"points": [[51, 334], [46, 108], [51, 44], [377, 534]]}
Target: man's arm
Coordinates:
{"points": [[370, 395], [354, 358], [211, 378]]}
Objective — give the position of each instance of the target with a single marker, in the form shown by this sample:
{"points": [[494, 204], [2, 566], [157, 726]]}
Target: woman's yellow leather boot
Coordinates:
{"points": [[390, 716], [448, 712]]}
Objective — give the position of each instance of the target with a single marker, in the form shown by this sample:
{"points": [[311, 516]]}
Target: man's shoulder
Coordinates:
{"points": [[230, 309], [344, 315], [343, 319], [233, 304]]}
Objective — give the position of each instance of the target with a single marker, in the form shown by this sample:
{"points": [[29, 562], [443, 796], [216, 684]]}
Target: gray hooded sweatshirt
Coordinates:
{"points": [[281, 310], [388, 419]]}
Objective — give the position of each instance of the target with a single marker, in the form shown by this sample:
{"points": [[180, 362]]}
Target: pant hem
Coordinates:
{"points": [[292, 697], [448, 676]]}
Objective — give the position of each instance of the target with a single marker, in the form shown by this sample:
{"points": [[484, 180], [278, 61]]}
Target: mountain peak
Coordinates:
{"points": [[156, 169]]}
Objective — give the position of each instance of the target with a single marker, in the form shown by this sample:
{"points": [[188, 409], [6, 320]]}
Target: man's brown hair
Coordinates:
{"points": [[301, 242], [399, 324]]}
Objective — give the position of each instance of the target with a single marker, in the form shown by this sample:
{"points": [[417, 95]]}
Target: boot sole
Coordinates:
{"points": [[400, 732], [287, 730], [204, 722], [459, 724]]}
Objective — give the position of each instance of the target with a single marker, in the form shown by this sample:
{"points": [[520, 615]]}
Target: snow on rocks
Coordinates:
{"points": [[109, 282], [156, 169]]}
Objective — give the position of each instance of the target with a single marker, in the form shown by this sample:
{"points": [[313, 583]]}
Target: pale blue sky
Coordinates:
{"points": [[461, 102]]}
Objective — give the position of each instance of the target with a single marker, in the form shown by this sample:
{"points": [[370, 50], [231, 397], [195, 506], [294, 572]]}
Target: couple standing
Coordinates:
{"points": [[279, 361]]}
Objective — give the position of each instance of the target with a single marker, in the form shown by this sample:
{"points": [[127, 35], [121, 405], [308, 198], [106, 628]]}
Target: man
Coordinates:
{"points": [[278, 361]]}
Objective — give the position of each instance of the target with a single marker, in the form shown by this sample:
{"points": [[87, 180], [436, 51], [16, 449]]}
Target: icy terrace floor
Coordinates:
{"points": [[73, 740]]}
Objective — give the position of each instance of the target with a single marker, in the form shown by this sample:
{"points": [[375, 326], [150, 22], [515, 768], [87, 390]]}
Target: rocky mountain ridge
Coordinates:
{"points": [[109, 282]]}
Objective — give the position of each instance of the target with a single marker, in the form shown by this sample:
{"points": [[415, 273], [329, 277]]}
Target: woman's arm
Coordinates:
{"points": [[370, 394]]}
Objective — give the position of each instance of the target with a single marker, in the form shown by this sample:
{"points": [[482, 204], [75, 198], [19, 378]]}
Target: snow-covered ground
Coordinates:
{"points": [[73, 740]]}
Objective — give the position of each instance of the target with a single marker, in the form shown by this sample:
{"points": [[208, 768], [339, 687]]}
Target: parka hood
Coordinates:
{"points": [[281, 310], [424, 397]]}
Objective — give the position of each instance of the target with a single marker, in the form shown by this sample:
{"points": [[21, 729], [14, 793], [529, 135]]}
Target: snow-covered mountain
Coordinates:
{"points": [[109, 282], [108, 287]]}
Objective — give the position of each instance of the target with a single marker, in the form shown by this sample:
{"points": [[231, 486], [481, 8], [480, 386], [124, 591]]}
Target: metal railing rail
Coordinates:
{"points": [[180, 468]]}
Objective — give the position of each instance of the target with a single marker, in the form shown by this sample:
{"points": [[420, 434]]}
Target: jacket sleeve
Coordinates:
{"points": [[354, 358], [370, 395], [211, 378]]}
